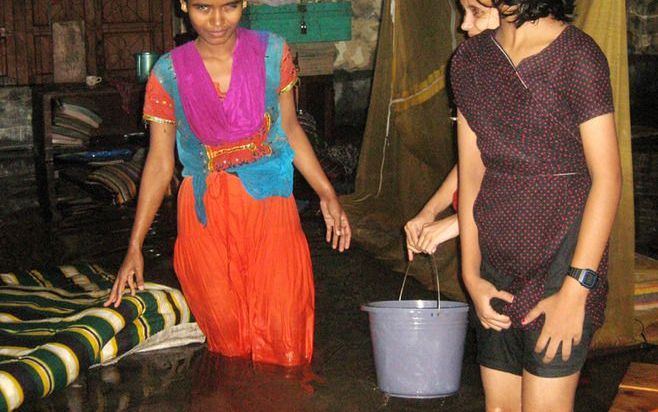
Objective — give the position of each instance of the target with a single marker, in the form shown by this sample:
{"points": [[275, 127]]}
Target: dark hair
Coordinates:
{"points": [[530, 10]]}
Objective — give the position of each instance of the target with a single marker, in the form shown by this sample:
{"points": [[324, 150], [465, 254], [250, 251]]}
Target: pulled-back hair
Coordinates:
{"points": [[530, 10]]}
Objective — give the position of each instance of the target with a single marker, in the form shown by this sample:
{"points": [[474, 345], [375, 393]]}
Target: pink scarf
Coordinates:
{"points": [[215, 121]]}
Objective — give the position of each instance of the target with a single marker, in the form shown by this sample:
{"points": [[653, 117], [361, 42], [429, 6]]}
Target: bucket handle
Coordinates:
{"points": [[436, 278]]}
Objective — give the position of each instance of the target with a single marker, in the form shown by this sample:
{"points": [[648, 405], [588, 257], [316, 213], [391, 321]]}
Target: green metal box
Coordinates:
{"points": [[303, 22]]}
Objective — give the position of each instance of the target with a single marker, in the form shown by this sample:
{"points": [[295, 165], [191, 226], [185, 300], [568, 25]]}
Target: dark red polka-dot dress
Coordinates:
{"points": [[536, 181]]}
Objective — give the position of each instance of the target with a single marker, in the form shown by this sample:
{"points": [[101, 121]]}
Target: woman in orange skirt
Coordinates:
{"points": [[241, 256], [247, 273]]}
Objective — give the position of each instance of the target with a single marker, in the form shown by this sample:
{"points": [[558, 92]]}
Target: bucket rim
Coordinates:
{"points": [[422, 395], [414, 304]]}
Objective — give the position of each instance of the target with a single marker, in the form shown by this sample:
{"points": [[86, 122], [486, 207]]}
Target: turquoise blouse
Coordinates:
{"points": [[268, 176]]}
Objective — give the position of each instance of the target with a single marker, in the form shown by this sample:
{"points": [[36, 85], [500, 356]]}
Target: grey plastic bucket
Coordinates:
{"points": [[418, 347]]}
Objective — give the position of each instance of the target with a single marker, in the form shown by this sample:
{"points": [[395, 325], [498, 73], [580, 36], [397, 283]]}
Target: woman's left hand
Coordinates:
{"points": [[564, 314], [434, 233], [339, 232]]}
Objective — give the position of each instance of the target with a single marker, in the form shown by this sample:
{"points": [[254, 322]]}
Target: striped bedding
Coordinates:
{"points": [[646, 295], [53, 326]]}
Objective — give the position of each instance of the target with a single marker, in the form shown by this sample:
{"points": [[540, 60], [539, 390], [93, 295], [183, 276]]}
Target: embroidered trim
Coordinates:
{"points": [[290, 86], [159, 120], [223, 157]]}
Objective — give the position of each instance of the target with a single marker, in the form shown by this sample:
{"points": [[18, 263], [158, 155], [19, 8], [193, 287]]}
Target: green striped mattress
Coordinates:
{"points": [[53, 326]]}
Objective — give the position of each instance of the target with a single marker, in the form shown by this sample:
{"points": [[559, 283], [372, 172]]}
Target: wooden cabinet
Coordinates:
{"points": [[120, 114], [114, 31]]}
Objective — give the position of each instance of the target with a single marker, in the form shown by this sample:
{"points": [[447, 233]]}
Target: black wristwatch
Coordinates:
{"points": [[586, 277]]}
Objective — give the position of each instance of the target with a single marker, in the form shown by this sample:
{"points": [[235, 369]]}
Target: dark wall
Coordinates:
{"points": [[17, 178], [643, 78]]}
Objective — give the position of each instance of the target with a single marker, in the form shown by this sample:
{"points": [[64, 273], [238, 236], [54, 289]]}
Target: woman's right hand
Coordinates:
{"points": [[131, 273], [412, 230], [482, 292], [339, 231]]}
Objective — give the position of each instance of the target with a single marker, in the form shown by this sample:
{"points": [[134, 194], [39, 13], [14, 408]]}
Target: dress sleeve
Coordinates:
{"points": [[289, 75], [158, 104], [460, 82], [589, 92]]}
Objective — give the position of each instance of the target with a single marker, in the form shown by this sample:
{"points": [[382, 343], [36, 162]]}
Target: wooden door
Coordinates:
{"points": [[114, 31], [5, 8], [123, 28], [10, 60]]}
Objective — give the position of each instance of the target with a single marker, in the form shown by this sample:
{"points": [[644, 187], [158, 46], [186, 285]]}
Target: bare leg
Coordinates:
{"points": [[502, 390], [549, 394]]}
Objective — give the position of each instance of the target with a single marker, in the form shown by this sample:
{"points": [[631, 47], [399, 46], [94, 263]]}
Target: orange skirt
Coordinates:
{"points": [[247, 275]]}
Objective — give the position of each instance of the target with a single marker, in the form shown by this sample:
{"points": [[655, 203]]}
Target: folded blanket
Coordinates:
{"points": [[646, 295], [53, 326]]}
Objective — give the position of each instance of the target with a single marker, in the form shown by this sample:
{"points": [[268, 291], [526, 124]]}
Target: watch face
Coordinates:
{"points": [[588, 279]]}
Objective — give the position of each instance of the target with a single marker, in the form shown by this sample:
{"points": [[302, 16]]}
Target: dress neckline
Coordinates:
{"points": [[532, 57], [222, 93]]}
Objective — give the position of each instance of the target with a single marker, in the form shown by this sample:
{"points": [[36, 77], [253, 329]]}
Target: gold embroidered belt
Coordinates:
{"points": [[245, 151]]}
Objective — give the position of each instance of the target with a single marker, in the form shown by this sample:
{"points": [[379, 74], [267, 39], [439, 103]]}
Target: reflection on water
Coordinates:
{"points": [[231, 384], [187, 379]]}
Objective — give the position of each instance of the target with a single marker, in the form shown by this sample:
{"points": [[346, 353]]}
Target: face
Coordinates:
{"points": [[478, 17], [214, 20]]}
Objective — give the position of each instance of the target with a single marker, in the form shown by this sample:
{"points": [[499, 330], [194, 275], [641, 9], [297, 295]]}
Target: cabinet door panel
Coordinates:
{"points": [[119, 50], [7, 54], [126, 11], [40, 16], [45, 11], [129, 27], [13, 63], [43, 59]]}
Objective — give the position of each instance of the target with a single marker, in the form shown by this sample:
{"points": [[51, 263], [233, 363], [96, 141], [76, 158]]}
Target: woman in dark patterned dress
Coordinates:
{"points": [[539, 187]]}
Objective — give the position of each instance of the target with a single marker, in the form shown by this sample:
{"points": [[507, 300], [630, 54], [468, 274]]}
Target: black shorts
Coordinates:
{"points": [[513, 350]]}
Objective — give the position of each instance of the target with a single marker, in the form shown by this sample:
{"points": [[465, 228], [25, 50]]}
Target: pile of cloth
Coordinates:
{"points": [[53, 327], [338, 160]]}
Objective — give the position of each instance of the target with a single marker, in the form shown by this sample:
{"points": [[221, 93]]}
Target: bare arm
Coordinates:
{"points": [[602, 155], [422, 232], [443, 196], [156, 177], [339, 231], [471, 172], [565, 311]]}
